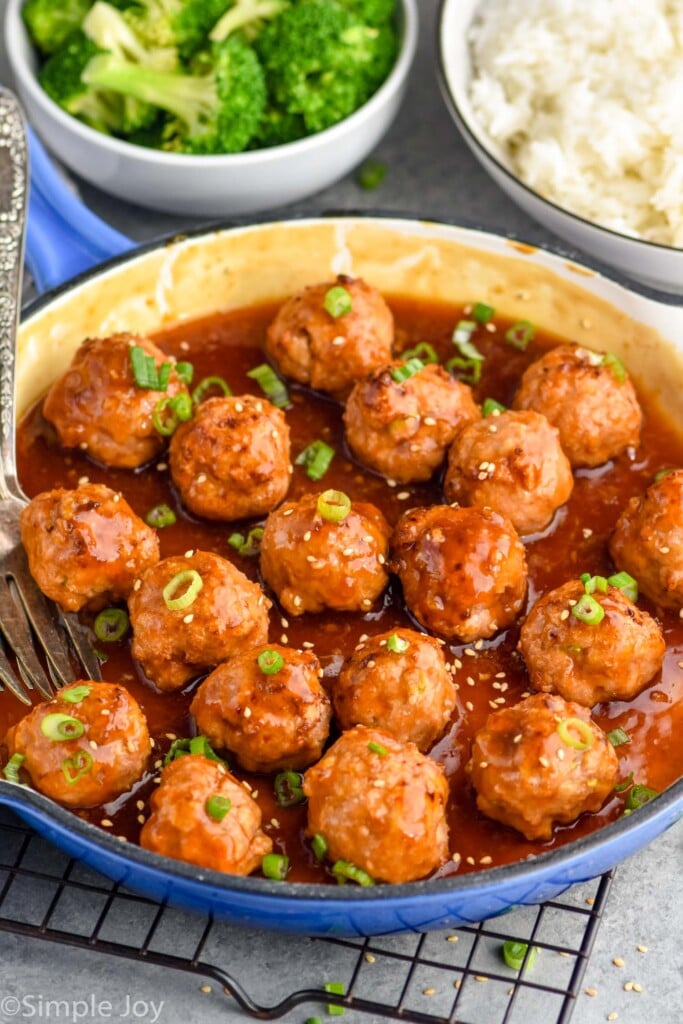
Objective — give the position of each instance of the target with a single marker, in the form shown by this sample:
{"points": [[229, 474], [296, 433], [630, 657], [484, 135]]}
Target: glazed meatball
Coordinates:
{"points": [[267, 707], [330, 352], [86, 746], [647, 541], [379, 804], [227, 614], [399, 682], [231, 460], [590, 400], [97, 406], [611, 660], [183, 826], [540, 763], [86, 547], [312, 562], [402, 428], [463, 570], [513, 463]]}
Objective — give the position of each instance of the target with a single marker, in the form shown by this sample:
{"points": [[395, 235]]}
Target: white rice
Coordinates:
{"points": [[586, 99]]}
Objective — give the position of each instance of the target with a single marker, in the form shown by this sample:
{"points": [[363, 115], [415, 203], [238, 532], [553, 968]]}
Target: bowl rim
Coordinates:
{"points": [[15, 32], [668, 803], [475, 135]]}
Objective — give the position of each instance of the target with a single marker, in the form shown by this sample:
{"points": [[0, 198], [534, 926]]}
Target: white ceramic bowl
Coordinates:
{"points": [[209, 185], [659, 266]]}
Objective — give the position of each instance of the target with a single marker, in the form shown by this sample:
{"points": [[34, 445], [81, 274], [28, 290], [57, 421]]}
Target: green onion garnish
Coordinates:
{"points": [[515, 953], [270, 662], [275, 866], [618, 737], [334, 506], [593, 583], [371, 175], [422, 351], [11, 769], [196, 745], [74, 768], [288, 788], [185, 372], [337, 302], [59, 727], [145, 372], [626, 584], [585, 739], [408, 369], [217, 806], [462, 334], [377, 748], [588, 610], [483, 313], [314, 1020], [520, 334], [468, 365], [492, 407], [188, 578], [344, 871], [335, 988], [271, 385], [621, 786], [664, 472], [466, 370], [316, 458], [638, 796], [319, 846], [111, 625], [170, 412], [248, 546], [75, 694], [209, 384], [160, 516], [396, 644], [615, 364]]}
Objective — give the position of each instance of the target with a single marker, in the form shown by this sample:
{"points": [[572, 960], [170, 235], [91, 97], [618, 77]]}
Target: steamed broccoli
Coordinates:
{"points": [[371, 12], [277, 128], [247, 15], [180, 23], [216, 113], [61, 79], [51, 22]]}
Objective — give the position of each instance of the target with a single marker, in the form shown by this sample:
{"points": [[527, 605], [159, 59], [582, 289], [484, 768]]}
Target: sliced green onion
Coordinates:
{"points": [[491, 407], [74, 768], [171, 411], [377, 748], [217, 806], [11, 769], [371, 175], [195, 745], [59, 727], [422, 351], [188, 578], [271, 385], [319, 846], [164, 375], [407, 370], [618, 737], [337, 302], [514, 954], [626, 584], [75, 694], [520, 334], [275, 866], [588, 610], [333, 506], [615, 364], [248, 546], [621, 786], [317, 458], [397, 644], [160, 516], [638, 796], [664, 472], [344, 871], [145, 372], [593, 583], [466, 370], [462, 333], [335, 988], [314, 1020], [585, 739], [270, 662], [288, 788], [111, 625], [483, 313], [185, 372], [208, 384]]}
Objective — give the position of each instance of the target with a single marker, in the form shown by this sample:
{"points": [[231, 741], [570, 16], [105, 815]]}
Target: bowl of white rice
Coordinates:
{"points": [[575, 108]]}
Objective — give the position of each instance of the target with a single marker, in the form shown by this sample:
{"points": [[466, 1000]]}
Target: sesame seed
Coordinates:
{"points": [[664, 550], [201, 479], [288, 512], [369, 958], [470, 681], [457, 983], [141, 819], [560, 754], [457, 663], [206, 988], [171, 736], [590, 901], [363, 638], [470, 860], [82, 480], [284, 623], [483, 764], [246, 785], [117, 497], [518, 738], [642, 949], [470, 653], [368, 538], [379, 783], [161, 466], [106, 823], [591, 991], [469, 705], [403, 495], [564, 614], [480, 977], [308, 645], [347, 552], [491, 328], [187, 619], [486, 860], [451, 938], [284, 639], [307, 535], [617, 961], [637, 987], [612, 1016], [185, 346], [587, 532], [274, 822], [247, 712], [428, 991], [628, 985], [339, 340], [391, 483], [429, 421], [366, 602], [83, 446], [140, 804], [297, 601], [456, 858], [189, 554], [544, 761], [239, 407], [93, 744]]}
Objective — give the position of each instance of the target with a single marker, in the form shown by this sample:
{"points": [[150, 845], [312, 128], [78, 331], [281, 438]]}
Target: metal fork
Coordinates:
{"points": [[25, 615]]}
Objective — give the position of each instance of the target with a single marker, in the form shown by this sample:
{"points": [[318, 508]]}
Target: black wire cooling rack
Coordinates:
{"points": [[455, 977]]}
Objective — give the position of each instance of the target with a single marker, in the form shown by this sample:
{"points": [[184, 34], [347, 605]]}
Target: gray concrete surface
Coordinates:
{"points": [[432, 174]]}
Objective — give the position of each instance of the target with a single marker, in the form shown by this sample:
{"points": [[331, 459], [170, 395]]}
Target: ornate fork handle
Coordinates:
{"points": [[13, 189]]}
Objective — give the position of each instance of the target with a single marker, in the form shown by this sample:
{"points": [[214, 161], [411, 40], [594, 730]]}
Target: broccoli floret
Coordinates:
{"points": [[247, 15], [277, 127], [51, 22], [61, 79], [371, 12], [322, 63], [180, 23], [218, 113]]}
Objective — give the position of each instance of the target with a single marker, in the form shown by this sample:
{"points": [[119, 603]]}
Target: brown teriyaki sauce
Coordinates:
{"points": [[230, 344]]}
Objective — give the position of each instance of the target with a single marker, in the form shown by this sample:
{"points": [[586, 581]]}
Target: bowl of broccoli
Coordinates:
{"points": [[211, 107]]}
